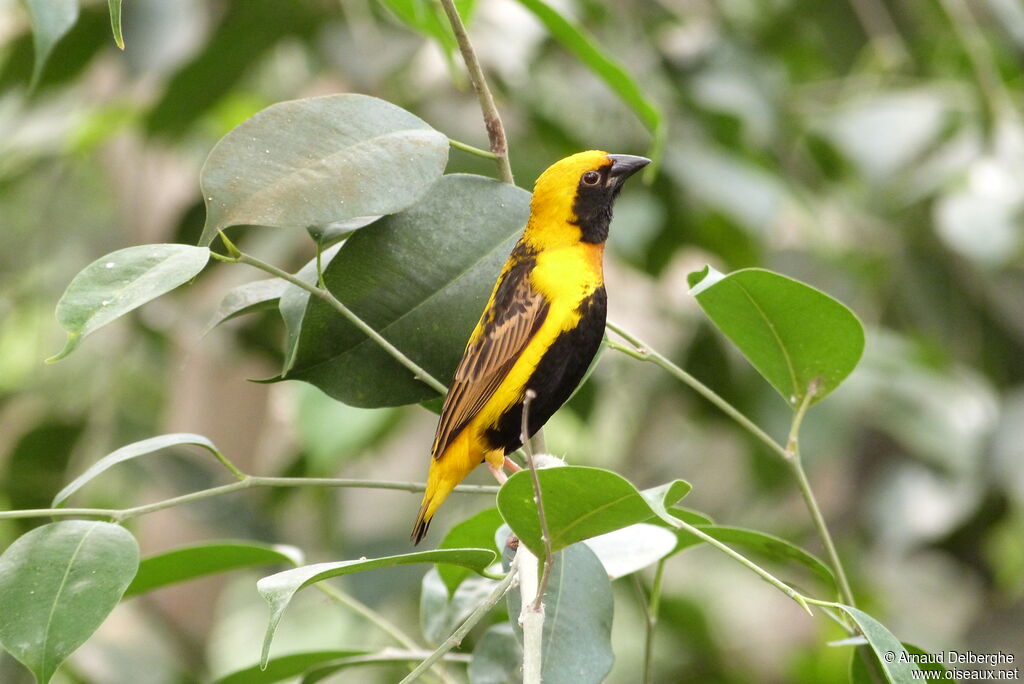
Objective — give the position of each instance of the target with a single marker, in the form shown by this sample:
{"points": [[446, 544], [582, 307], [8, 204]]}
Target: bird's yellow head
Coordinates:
{"points": [[572, 199]]}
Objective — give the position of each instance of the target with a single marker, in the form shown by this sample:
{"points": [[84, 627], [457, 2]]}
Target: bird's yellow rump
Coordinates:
{"points": [[540, 329]]}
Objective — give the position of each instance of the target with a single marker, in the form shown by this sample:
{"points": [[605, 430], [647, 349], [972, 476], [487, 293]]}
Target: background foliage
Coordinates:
{"points": [[873, 149]]}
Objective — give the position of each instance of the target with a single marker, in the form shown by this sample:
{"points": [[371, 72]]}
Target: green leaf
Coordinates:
{"points": [[255, 296], [579, 503], [576, 644], [115, 21], [585, 49], [767, 545], [294, 302], [792, 333], [51, 20], [476, 532], [441, 614], [124, 280], [497, 658], [190, 562], [318, 160], [285, 667], [129, 452], [58, 583], [421, 279], [860, 673], [882, 642], [277, 590], [627, 550]]}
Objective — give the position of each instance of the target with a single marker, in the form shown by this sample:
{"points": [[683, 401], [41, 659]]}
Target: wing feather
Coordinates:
{"points": [[519, 311]]}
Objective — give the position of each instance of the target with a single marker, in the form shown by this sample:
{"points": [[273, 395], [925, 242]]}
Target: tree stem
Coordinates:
{"points": [[492, 120], [456, 638], [545, 534]]}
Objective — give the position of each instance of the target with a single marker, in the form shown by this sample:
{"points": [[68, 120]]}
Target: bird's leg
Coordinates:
{"points": [[512, 466], [497, 472]]}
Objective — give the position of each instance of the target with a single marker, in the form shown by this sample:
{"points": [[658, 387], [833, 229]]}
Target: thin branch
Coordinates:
{"points": [[326, 295], [793, 452], [644, 353], [250, 481], [492, 120], [472, 150], [651, 613], [790, 453], [545, 534], [764, 574], [457, 636], [882, 31]]}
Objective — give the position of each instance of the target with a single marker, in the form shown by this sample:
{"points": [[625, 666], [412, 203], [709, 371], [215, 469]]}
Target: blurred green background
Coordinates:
{"points": [[872, 148]]}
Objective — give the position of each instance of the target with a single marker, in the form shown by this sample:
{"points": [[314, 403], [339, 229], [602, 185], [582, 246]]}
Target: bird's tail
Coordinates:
{"points": [[446, 471], [438, 489]]}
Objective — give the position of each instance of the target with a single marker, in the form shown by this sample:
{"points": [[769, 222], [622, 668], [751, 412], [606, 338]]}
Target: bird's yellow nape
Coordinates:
{"points": [[551, 209]]}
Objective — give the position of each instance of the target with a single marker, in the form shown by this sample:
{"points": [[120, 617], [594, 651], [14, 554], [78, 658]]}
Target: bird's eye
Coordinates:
{"points": [[591, 177]]}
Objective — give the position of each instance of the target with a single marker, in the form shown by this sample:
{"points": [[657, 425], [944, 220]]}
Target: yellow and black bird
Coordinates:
{"points": [[540, 329]]}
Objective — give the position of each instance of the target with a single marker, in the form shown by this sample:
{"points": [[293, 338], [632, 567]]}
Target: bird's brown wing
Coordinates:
{"points": [[518, 312]]}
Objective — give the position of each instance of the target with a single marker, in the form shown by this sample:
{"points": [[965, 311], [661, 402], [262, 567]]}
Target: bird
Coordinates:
{"points": [[539, 331]]}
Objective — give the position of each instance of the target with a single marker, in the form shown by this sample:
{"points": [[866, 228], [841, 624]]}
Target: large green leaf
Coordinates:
{"points": [[585, 49], [578, 608], [896, 669], [498, 657], [129, 452], [294, 301], [247, 298], [317, 160], [421, 279], [58, 583], [441, 614], [199, 560], [476, 532], [629, 549], [860, 673], [277, 590], [115, 21], [579, 503], [767, 545], [285, 667], [51, 20], [124, 280], [792, 333]]}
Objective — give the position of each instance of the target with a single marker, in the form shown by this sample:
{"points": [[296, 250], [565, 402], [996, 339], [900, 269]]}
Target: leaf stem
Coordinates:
{"points": [[492, 120], [793, 459], [764, 574], [455, 639], [472, 150], [418, 372], [643, 352], [250, 481]]}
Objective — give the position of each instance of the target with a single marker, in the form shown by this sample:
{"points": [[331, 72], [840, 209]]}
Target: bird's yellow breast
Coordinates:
{"points": [[565, 277]]}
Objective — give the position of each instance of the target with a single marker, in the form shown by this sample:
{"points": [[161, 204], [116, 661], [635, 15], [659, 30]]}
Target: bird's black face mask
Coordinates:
{"points": [[596, 194]]}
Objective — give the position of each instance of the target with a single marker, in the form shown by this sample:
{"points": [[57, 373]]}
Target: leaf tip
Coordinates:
{"points": [[69, 346]]}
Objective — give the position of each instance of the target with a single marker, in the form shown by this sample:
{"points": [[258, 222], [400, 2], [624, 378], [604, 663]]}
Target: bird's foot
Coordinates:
{"points": [[512, 466], [498, 473]]}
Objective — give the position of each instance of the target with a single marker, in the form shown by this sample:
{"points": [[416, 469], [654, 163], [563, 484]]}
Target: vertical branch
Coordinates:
{"points": [[492, 120], [545, 535], [532, 612]]}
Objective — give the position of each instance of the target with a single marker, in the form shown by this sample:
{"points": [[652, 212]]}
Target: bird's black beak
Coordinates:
{"points": [[624, 166]]}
